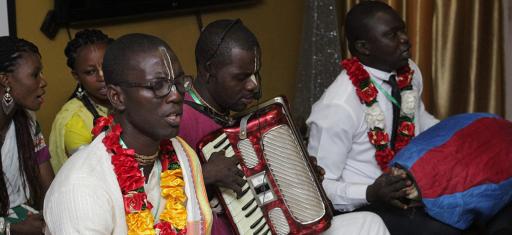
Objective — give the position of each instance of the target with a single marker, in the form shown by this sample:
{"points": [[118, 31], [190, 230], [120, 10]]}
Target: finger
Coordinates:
{"points": [[218, 154], [414, 204], [237, 189], [240, 181], [398, 204], [392, 179], [410, 189], [398, 186], [313, 160], [321, 179], [239, 172], [320, 171], [398, 195], [233, 160]]}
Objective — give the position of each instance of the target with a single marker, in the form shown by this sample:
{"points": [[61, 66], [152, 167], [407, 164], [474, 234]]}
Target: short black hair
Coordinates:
{"points": [[225, 35], [83, 38], [119, 54], [10, 49], [356, 21]]}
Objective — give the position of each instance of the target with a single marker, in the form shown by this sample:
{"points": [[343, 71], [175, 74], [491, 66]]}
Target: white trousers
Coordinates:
{"points": [[357, 223]]}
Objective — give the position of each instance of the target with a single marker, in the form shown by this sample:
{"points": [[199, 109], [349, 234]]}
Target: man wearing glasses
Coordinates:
{"points": [[136, 177]]}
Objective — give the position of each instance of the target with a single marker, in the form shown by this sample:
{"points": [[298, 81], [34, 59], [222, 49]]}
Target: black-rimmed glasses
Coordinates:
{"points": [[162, 87]]}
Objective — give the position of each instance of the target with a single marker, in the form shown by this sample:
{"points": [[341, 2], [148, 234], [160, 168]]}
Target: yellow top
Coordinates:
{"points": [[71, 129]]}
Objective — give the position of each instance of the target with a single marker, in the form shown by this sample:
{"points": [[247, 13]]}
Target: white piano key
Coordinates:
{"points": [[210, 148], [236, 206], [230, 152], [245, 224]]}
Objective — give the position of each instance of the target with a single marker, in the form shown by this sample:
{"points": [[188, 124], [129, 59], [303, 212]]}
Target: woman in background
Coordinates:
{"points": [[25, 169], [72, 126]]}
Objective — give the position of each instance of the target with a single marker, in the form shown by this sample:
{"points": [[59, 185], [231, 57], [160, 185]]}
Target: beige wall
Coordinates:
{"points": [[276, 23]]}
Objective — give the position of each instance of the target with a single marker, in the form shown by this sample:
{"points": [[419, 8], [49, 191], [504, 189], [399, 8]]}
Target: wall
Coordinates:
{"points": [[276, 23], [507, 41]]}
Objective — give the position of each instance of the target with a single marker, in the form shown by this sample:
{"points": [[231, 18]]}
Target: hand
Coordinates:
{"points": [[223, 171], [319, 171], [412, 191], [34, 224], [389, 189]]}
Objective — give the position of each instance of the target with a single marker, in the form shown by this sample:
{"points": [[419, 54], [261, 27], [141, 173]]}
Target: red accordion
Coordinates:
{"points": [[282, 194]]}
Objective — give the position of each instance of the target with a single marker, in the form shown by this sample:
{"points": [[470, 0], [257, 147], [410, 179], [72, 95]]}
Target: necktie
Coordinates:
{"points": [[395, 92]]}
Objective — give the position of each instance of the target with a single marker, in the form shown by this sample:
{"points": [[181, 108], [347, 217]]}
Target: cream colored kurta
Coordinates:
{"points": [[85, 197]]}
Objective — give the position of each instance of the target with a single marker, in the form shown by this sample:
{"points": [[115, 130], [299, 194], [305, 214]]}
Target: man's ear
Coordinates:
{"points": [[209, 69], [4, 79], [361, 47], [116, 97]]}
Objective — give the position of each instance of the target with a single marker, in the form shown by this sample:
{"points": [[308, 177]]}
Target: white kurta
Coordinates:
{"points": [[339, 139], [357, 223], [85, 197]]}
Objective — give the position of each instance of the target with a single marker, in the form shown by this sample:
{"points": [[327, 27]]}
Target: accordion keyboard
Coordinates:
{"points": [[245, 212]]}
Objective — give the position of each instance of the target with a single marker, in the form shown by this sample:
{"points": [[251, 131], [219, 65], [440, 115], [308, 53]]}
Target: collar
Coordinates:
{"points": [[378, 74]]}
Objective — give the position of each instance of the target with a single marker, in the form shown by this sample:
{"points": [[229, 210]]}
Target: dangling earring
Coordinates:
{"points": [[79, 91], [7, 101]]}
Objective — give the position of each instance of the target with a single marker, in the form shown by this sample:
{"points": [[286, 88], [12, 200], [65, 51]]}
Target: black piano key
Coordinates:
{"points": [[246, 190], [248, 204], [226, 147], [256, 223], [259, 229], [267, 231], [251, 211]]}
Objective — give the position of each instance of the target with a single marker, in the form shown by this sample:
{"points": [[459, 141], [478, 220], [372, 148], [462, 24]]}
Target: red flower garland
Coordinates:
{"points": [[367, 93], [129, 177]]}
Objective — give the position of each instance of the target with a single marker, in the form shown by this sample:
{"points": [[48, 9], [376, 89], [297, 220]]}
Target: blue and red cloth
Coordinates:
{"points": [[462, 167]]}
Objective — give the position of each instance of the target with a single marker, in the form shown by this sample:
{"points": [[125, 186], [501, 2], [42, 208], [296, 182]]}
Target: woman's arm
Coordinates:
{"points": [[46, 175]]}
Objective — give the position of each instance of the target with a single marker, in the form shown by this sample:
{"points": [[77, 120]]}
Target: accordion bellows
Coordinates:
{"points": [[462, 167]]}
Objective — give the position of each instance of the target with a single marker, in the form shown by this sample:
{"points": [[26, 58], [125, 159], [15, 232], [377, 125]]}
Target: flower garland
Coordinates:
{"points": [[131, 181], [367, 93]]}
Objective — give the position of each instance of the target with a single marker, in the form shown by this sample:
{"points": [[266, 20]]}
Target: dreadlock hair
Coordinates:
{"points": [[11, 50], [218, 38], [83, 38]]}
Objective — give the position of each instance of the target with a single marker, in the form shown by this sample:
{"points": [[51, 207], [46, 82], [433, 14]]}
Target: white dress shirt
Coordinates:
{"points": [[338, 137], [85, 197]]}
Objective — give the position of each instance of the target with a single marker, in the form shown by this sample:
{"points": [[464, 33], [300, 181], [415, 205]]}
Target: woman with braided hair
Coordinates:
{"points": [[72, 126], [26, 172]]}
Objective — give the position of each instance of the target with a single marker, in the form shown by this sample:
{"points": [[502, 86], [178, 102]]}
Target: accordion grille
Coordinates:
{"points": [[248, 153], [279, 222], [291, 173]]}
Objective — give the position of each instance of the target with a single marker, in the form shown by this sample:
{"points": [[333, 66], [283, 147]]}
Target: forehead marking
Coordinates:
{"points": [[167, 62]]}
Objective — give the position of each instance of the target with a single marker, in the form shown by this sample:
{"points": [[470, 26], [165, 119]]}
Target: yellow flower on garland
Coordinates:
{"points": [[172, 185], [175, 213], [172, 178], [140, 223]]}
